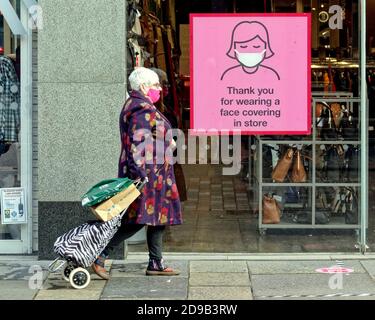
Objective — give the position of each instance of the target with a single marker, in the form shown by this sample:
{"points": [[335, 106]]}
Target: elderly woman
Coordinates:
{"points": [[142, 127]]}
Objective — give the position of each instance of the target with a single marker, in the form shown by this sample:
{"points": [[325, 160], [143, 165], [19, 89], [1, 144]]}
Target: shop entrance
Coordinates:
{"points": [[225, 213], [15, 128]]}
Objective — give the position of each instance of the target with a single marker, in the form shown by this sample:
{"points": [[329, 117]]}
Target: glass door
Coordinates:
{"points": [[15, 122]]}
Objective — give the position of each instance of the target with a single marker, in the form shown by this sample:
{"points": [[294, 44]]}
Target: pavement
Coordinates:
{"points": [[203, 277]]}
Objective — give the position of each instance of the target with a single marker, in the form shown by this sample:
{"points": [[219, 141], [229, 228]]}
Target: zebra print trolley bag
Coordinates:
{"points": [[80, 247]]}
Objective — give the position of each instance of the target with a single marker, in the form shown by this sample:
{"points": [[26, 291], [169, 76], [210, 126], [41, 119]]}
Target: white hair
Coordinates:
{"points": [[143, 76]]}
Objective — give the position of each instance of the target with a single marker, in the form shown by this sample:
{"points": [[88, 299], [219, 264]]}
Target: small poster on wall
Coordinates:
{"points": [[13, 209], [250, 73]]}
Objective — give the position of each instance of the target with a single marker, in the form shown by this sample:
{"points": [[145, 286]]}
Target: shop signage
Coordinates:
{"points": [[13, 209], [250, 73]]}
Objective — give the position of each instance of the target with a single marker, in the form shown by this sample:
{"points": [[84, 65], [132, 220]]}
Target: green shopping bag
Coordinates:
{"points": [[104, 190]]}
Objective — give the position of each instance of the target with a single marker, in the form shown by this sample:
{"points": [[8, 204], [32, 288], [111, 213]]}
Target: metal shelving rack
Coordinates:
{"points": [[258, 183]]}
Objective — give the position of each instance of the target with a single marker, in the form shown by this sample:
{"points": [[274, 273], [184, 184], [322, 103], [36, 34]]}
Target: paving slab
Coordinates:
{"points": [[62, 290], [219, 279], [162, 287], [369, 266], [18, 270], [218, 266], [220, 293], [297, 267], [138, 268], [16, 290], [310, 284]]}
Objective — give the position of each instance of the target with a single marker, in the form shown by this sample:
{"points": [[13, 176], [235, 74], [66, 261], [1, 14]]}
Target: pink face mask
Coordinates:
{"points": [[154, 95]]}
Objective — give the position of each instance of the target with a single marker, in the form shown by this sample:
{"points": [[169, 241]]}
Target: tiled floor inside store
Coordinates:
{"points": [[218, 218]]}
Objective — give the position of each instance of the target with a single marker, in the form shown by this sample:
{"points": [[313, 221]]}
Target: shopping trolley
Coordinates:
{"points": [[78, 248]]}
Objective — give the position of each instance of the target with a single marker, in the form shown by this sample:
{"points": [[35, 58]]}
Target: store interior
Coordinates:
{"points": [[225, 213], [222, 213]]}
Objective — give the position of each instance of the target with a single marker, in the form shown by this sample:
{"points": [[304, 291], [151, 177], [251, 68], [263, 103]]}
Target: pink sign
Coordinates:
{"points": [[250, 73]]}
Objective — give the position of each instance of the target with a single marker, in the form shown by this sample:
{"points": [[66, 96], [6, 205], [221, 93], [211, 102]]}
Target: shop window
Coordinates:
{"points": [[10, 120]]}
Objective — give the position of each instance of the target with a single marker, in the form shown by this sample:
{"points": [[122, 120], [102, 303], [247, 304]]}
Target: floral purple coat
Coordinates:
{"points": [[159, 203]]}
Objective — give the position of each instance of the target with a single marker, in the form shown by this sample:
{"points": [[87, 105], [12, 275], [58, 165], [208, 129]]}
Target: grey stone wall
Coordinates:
{"points": [[81, 71], [81, 90]]}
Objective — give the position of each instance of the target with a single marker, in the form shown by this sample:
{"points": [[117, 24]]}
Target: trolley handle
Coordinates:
{"points": [[141, 183]]}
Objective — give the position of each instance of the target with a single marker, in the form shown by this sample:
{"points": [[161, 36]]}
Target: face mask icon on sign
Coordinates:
{"points": [[250, 47], [250, 60]]}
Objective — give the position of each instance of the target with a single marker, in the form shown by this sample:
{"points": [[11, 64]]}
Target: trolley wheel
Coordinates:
{"points": [[79, 278], [67, 270]]}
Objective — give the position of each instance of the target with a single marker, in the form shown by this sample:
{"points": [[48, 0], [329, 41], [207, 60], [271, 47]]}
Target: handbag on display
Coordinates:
{"points": [[292, 195], [321, 201], [349, 126], [327, 123], [322, 216], [271, 210], [298, 172], [352, 163], [335, 158], [345, 203], [283, 165], [267, 162], [351, 204], [337, 114]]}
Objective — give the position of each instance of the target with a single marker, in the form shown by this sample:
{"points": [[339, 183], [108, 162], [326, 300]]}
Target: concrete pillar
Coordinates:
{"points": [[81, 54]]}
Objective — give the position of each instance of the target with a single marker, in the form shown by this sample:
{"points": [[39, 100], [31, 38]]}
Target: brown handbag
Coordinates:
{"points": [[283, 165], [298, 172], [271, 211]]}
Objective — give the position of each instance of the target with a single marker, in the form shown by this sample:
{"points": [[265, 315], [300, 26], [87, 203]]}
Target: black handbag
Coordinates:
{"points": [[351, 206], [328, 131], [352, 164], [349, 126], [335, 159], [322, 216]]}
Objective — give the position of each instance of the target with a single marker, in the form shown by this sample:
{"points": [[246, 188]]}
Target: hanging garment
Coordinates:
{"points": [[160, 49], [137, 28], [9, 101], [148, 35], [138, 57]]}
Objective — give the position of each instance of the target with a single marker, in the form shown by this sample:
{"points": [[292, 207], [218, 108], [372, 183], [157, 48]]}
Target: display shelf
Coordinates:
{"points": [[264, 184]]}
